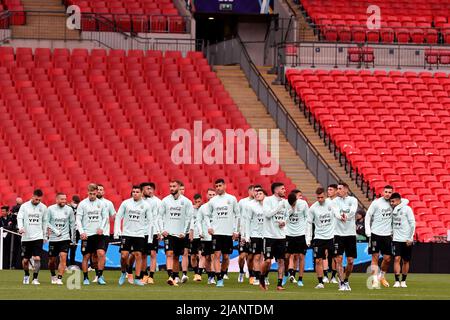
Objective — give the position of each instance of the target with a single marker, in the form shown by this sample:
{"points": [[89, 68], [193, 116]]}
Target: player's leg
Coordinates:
{"points": [[397, 270], [131, 262], [144, 272], [250, 266], [256, 268], [286, 262], [101, 258], [301, 269], [124, 258], [94, 265], [84, 267], [52, 262], [61, 267], [386, 251], [138, 277], [153, 254], [326, 266], [405, 270], [265, 267], [195, 265], [176, 266], [241, 263], [185, 264]]}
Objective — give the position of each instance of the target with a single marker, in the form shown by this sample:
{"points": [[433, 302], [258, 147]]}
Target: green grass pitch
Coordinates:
{"points": [[420, 287]]}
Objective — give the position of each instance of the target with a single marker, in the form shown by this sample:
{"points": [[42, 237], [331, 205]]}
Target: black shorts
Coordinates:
{"points": [[400, 249], [274, 248], [93, 243], [152, 246], [207, 248], [32, 248], [132, 244], [106, 243], [381, 244], [321, 247], [244, 248], [187, 242], [296, 245], [196, 246], [56, 247], [256, 245], [222, 243], [175, 244], [345, 244]]}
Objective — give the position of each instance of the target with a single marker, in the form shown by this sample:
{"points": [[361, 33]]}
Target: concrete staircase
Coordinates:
{"points": [[238, 87], [312, 135], [45, 19], [305, 32]]}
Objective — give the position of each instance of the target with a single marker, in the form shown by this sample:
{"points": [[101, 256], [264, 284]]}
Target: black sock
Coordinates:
{"points": [[219, 275], [251, 273], [226, 271], [210, 274], [184, 273], [138, 276], [325, 274], [333, 273], [257, 274], [300, 278], [27, 273], [279, 282], [404, 277], [35, 275], [201, 271], [59, 276], [170, 273], [320, 279], [195, 270], [346, 280], [176, 274], [342, 283], [262, 279], [291, 272], [53, 272], [151, 274], [141, 275], [241, 270], [145, 272], [96, 271], [130, 269], [85, 275], [397, 277], [100, 273], [286, 273]]}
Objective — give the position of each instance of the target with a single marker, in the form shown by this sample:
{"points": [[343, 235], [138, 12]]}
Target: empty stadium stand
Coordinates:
{"points": [[72, 117], [402, 21], [392, 128], [134, 15]]}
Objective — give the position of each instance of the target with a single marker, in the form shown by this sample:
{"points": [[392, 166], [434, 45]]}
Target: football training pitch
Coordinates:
{"points": [[420, 287]]}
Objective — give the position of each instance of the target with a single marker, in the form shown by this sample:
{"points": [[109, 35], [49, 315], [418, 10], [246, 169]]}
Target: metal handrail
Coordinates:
{"points": [[287, 114], [293, 13]]}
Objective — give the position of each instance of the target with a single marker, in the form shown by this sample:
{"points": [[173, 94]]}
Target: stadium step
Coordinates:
{"points": [[254, 111], [45, 19], [312, 135], [306, 33]]}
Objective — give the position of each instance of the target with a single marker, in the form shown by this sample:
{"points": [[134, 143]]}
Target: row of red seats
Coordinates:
{"points": [[336, 24], [386, 35], [131, 16], [17, 9], [392, 128], [114, 126]]}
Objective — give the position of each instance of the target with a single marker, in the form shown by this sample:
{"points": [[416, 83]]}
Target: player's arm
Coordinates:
{"points": [[412, 223], [79, 219], [208, 214], [105, 220], [368, 219], [50, 224], [20, 219], [45, 223], [248, 218], [189, 212], [199, 222], [119, 216], [162, 210], [336, 209], [309, 223], [72, 226], [353, 209], [236, 216], [269, 209]]}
